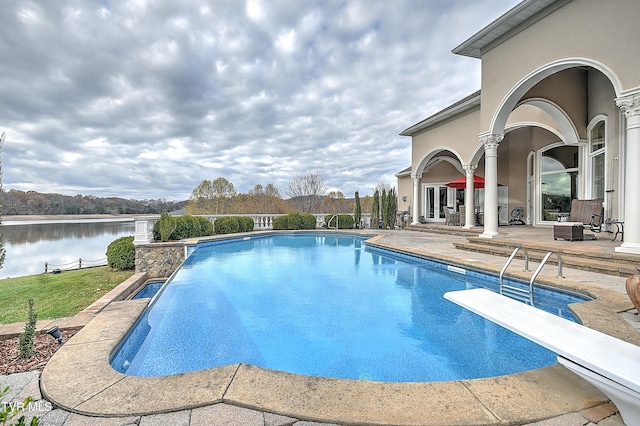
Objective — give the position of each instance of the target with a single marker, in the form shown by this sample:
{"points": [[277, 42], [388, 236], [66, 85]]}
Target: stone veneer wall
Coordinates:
{"points": [[159, 260]]}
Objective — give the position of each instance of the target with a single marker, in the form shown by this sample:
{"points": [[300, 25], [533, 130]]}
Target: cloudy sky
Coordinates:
{"points": [[145, 99]]}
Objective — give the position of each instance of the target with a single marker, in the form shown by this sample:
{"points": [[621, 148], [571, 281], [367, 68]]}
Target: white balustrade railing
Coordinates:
{"points": [[144, 224]]}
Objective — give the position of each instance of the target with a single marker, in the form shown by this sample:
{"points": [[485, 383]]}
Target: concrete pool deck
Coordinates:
{"points": [[79, 379]]}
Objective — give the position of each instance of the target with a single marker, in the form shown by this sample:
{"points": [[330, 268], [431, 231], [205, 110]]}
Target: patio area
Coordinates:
{"points": [[82, 385]]}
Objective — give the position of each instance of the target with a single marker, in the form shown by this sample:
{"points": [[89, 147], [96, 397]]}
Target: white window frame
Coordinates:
{"points": [[539, 174], [601, 118]]}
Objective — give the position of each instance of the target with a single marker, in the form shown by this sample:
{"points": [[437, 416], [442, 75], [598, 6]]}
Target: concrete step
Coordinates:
{"points": [[442, 229], [596, 255], [605, 263]]}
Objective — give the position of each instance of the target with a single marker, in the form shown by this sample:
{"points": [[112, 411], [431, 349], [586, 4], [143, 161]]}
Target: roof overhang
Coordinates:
{"points": [[470, 102], [404, 173], [512, 19]]}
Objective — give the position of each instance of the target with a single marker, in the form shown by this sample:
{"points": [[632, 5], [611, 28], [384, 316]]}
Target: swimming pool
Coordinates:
{"points": [[148, 290], [324, 305]]}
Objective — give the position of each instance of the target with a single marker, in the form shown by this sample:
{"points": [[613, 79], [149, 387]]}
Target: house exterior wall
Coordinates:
{"points": [[459, 136], [544, 83], [405, 189], [441, 173], [588, 29]]}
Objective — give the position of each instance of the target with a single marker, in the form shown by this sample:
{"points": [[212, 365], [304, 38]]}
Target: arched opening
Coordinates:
{"points": [[518, 92], [435, 170], [573, 156]]}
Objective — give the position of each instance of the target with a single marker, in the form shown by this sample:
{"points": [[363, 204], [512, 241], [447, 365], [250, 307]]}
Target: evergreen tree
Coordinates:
{"points": [[392, 208], [357, 213], [384, 208], [375, 209]]}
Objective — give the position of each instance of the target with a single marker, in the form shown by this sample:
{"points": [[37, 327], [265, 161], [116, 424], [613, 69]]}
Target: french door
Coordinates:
{"points": [[435, 198]]}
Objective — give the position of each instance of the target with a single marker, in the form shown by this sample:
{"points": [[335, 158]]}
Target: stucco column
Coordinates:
{"points": [[469, 214], [630, 106], [416, 200], [490, 142]]}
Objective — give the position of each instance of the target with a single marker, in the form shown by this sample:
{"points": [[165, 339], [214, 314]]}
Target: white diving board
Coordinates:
{"points": [[611, 365]]}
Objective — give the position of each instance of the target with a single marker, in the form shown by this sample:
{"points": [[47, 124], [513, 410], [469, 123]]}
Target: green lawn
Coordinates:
{"points": [[56, 295]]}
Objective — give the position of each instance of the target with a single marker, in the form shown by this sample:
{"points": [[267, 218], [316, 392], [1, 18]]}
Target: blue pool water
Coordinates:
{"points": [[326, 306], [149, 290]]}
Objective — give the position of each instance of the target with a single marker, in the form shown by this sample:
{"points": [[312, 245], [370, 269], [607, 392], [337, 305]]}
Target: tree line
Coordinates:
{"points": [[307, 194], [17, 202]]}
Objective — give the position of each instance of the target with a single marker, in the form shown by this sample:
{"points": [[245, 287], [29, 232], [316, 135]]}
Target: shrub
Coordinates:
{"points": [[25, 340], [206, 227], [345, 221], [121, 254], [308, 221], [246, 223], [294, 221], [226, 225], [165, 227], [185, 226], [191, 227], [280, 223]]}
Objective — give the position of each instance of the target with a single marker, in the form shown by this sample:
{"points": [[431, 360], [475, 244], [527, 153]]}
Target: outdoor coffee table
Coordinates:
{"points": [[568, 231]]}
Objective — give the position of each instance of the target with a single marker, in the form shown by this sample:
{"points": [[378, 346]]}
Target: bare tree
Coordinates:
{"points": [[306, 191]]}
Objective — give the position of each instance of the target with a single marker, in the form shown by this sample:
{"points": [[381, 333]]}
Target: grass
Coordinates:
{"points": [[56, 295]]}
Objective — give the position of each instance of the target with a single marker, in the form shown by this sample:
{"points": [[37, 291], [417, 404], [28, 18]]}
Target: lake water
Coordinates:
{"points": [[29, 244]]}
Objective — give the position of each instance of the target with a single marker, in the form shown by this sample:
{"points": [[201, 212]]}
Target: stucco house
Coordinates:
{"points": [[557, 118]]}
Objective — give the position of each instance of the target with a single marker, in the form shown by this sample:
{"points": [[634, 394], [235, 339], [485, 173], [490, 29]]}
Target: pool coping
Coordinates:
{"points": [[80, 379]]}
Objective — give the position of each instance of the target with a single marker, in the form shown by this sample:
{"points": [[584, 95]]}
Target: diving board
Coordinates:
{"points": [[611, 365]]}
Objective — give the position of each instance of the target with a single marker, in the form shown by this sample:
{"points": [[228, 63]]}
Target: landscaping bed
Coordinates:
{"points": [[44, 348]]}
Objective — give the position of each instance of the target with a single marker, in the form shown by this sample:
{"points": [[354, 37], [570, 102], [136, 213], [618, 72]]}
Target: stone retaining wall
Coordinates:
{"points": [[159, 260]]}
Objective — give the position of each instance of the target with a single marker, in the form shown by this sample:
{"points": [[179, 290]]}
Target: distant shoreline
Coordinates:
{"points": [[71, 217]]}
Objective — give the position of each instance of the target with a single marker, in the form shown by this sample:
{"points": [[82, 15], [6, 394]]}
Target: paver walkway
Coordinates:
{"points": [[27, 384]]}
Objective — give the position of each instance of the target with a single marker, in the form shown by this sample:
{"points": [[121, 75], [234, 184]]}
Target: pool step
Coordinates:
{"points": [[617, 264], [443, 229]]}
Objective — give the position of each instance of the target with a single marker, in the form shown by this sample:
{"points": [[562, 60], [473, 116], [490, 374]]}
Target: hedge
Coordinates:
{"points": [[121, 254], [345, 221], [226, 225], [308, 221], [280, 223], [246, 223], [186, 226], [294, 221]]}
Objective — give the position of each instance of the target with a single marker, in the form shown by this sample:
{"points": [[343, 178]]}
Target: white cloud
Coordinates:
{"points": [[145, 99]]}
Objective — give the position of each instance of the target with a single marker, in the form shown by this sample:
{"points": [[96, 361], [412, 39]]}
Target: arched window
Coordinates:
{"points": [[597, 142]]}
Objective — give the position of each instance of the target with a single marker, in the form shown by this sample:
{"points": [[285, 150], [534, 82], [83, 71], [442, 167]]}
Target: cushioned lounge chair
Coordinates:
{"points": [[589, 213], [451, 217]]}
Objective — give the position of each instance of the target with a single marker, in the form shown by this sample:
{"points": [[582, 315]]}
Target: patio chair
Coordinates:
{"points": [[451, 217], [589, 212]]}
